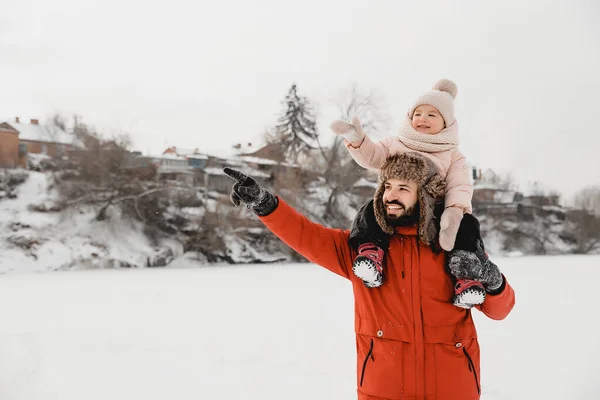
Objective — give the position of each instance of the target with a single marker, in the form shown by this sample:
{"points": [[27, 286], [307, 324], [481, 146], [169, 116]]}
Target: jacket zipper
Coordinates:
{"points": [[472, 369], [369, 354]]}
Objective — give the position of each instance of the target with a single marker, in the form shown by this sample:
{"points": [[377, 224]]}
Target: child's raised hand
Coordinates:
{"points": [[352, 132]]}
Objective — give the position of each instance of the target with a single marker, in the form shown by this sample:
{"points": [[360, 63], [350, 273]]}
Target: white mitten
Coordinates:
{"points": [[449, 224], [352, 132]]}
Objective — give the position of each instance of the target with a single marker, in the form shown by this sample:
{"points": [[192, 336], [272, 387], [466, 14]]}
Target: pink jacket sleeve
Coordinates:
{"points": [[459, 189], [371, 155]]}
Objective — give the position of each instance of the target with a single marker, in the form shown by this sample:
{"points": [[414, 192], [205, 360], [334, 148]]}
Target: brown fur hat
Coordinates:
{"points": [[417, 168]]}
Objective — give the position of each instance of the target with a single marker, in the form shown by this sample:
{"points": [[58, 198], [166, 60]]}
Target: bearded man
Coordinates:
{"points": [[412, 341]]}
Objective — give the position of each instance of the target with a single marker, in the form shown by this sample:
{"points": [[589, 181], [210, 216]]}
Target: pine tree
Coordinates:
{"points": [[296, 132]]}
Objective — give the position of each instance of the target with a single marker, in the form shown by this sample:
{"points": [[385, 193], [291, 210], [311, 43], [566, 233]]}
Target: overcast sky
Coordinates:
{"points": [[209, 74]]}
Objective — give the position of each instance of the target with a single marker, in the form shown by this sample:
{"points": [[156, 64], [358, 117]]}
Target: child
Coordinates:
{"points": [[430, 129]]}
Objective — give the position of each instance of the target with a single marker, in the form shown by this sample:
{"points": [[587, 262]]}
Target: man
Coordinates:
{"points": [[412, 342]]}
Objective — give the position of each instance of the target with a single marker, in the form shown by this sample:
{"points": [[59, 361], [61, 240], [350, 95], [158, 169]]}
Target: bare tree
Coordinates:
{"points": [[339, 170], [95, 176], [368, 105], [583, 222], [588, 199], [507, 181]]}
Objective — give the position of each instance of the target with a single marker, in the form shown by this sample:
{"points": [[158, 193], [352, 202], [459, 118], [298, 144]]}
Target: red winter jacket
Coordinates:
{"points": [[411, 342]]}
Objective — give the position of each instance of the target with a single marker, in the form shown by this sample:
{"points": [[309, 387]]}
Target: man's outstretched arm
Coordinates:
{"points": [[323, 246], [498, 305]]}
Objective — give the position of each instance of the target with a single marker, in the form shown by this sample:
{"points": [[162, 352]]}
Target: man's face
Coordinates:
{"points": [[399, 199]]}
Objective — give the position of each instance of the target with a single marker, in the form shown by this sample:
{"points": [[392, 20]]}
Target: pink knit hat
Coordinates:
{"points": [[441, 97]]}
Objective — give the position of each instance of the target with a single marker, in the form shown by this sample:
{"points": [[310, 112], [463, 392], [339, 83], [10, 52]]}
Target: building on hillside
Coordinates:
{"points": [[196, 160], [33, 138], [540, 200], [493, 196], [10, 153]]}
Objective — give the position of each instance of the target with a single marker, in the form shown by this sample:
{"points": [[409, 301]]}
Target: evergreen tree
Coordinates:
{"points": [[296, 132]]}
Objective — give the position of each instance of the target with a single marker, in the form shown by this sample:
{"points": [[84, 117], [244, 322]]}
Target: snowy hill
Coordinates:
{"points": [[34, 237]]}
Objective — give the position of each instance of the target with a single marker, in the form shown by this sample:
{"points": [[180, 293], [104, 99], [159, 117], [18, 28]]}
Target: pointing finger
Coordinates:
{"points": [[235, 174]]}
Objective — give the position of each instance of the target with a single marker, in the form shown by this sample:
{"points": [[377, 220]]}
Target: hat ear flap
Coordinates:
{"points": [[379, 211], [435, 186], [427, 226]]}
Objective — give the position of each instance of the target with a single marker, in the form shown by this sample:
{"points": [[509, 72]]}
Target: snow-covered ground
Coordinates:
{"points": [[268, 332], [36, 241]]}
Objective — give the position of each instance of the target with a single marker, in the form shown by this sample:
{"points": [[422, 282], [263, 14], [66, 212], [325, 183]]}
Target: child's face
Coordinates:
{"points": [[427, 119]]}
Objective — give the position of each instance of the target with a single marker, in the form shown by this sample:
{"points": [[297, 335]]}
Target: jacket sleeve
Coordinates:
{"points": [[498, 306], [459, 189], [369, 154], [326, 247]]}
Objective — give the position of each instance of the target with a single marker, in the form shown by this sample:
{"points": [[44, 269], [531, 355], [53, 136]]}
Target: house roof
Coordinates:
{"points": [[5, 127], [41, 133], [168, 156]]}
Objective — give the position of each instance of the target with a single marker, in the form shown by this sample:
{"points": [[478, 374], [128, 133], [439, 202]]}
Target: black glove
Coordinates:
{"points": [[248, 191], [476, 266]]}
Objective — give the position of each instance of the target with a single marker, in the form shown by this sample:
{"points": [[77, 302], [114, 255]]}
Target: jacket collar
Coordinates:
{"points": [[407, 230]]}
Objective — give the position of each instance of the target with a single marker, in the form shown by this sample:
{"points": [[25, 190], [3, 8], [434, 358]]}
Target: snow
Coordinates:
{"points": [[41, 133], [169, 156], [362, 182], [263, 161], [67, 239], [268, 332]]}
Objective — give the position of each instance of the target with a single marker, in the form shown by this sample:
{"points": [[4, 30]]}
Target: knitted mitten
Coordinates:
{"points": [[352, 132], [449, 224], [476, 266]]}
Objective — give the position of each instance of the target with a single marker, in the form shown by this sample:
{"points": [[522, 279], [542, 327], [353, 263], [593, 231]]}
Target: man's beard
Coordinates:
{"points": [[408, 218]]}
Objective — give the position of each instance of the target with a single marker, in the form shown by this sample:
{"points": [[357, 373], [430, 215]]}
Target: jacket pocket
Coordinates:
{"points": [[365, 362], [379, 368], [455, 366], [472, 369]]}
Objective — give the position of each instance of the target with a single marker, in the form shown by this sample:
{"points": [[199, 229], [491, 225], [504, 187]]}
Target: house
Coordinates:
{"points": [[490, 194], [171, 167], [196, 160], [542, 200], [9, 146], [32, 138]]}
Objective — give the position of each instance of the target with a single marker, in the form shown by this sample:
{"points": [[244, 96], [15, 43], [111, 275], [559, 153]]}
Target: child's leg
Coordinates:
{"points": [[370, 241]]}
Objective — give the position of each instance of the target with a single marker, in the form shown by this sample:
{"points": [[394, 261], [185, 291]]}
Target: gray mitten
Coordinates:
{"points": [[248, 191], [476, 266]]}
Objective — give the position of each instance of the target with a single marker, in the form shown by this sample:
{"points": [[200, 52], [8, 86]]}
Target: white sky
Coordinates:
{"points": [[209, 74]]}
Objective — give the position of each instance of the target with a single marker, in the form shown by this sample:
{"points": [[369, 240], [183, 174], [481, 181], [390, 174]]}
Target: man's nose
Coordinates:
{"points": [[393, 194]]}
